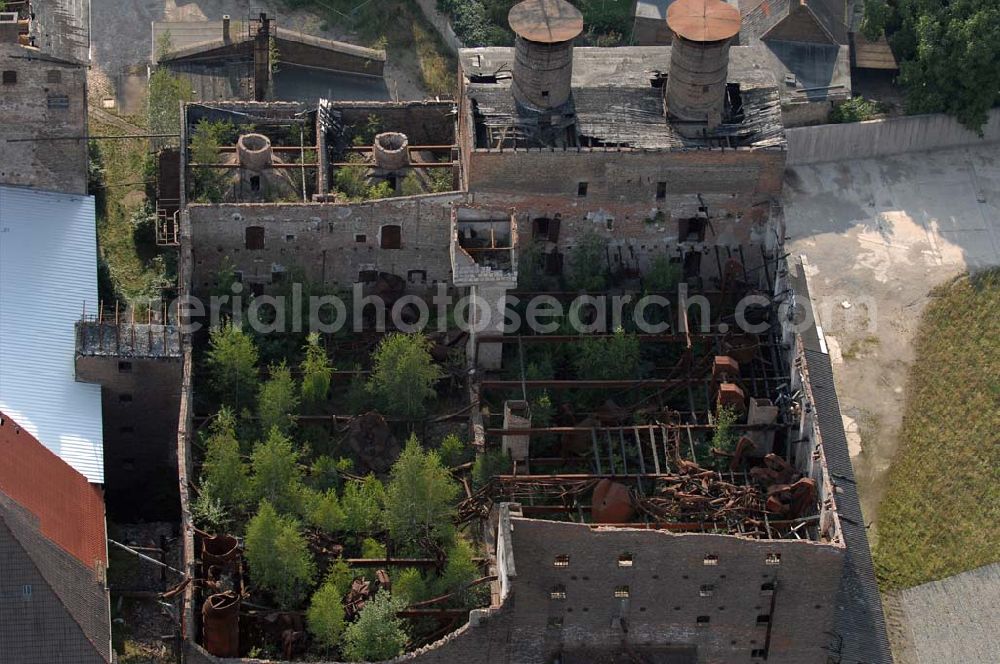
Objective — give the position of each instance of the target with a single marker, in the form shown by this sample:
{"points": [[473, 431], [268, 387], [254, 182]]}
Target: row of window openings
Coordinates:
{"points": [[625, 560], [390, 237], [53, 76], [622, 592]]}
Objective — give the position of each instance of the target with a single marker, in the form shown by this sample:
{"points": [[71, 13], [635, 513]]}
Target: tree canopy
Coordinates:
{"points": [[420, 496], [232, 366], [948, 52], [277, 400], [277, 477], [608, 358], [403, 375], [377, 634], [316, 372], [278, 555], [224, 474]]}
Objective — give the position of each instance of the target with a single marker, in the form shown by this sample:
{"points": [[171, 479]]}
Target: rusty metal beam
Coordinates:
{"points": [[678, 427], [589, 384]]}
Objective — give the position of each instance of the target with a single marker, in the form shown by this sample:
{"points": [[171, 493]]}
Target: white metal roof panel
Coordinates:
{"points": [[48, 269]]}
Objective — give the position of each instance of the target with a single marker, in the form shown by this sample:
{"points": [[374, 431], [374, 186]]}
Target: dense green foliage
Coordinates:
{"points": [[208, 183], [232, 366], [325, 616], [855, 109], [362, 504], [419, 497], [588, 263], [948, 52], [663, 274], [223, 473], [277, 400], [166, 92], [316, 372], [377, 634], [278, 555], [488, 464], [608, 358], [277, 476], [404, 375]]}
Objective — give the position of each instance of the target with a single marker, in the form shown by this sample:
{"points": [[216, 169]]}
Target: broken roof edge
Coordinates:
{"points": [[330, 44]]}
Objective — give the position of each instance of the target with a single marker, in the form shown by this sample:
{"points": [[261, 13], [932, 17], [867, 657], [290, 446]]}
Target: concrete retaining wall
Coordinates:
{"points": [[878, 138], [441, 24]]}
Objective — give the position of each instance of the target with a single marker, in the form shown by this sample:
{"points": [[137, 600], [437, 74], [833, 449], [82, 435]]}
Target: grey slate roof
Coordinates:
{"points": [[860, 633], [615, 102], [53, 609]]}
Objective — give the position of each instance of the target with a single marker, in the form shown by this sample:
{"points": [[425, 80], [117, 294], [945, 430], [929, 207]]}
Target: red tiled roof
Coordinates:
{"points": [[69, 509]]}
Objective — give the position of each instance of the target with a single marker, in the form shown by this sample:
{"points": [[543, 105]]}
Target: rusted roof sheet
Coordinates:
{"points": [[703, 20], [546, 21], [70, 510], [872, 54]]}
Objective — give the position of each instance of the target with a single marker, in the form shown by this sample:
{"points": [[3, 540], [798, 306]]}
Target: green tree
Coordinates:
{"points": [[452, 451], [325, 616], [277, 400], [223, 473], [377, 634], [948, 52], [459, 572], [323, 510], [278, 556], [409, 586], [166, 92], [277, 477], [411, 185], [663, 274], [372, 548], [404, 375], [488, 464], [208, 183], [362, 504], [855, 109], [876, 15], [316, 372], [588, 263], [608, 358], [232, 366], [724, 437], [419, 496]]}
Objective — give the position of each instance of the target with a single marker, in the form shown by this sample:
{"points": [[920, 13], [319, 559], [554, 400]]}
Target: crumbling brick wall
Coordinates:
{"points": [[330, 244], [43, 98]]}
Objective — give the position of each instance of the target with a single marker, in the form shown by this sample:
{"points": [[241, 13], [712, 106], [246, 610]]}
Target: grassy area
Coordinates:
{"points": [[132, 268], [939, 514]]}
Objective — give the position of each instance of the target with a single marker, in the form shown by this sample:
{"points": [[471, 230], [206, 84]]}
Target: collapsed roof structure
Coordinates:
{"points": [[622, 531]]}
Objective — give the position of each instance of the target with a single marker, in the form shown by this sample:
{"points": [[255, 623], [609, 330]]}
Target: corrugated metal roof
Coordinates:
{"points": [[48, 269]]}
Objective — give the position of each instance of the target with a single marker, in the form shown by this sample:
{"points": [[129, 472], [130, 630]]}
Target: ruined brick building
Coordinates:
{"points": [[663, 150]]}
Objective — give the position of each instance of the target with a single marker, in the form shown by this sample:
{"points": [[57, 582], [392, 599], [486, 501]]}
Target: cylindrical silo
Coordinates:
{"points": [[543, 51], [699, 62]]}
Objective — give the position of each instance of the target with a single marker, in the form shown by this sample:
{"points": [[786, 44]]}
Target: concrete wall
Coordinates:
{"points": [[48, 100], [140, 400], [330, 243], [441, 23], [878, 138], [306, 51]]}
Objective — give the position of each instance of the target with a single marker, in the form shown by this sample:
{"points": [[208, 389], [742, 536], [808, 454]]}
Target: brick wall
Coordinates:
{"points": [[47, 100], [331, 244]]}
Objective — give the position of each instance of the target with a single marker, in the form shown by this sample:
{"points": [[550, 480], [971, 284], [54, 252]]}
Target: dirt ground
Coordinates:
{"points": [[121, 34], [878, 236]]}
